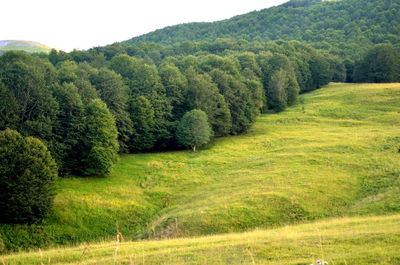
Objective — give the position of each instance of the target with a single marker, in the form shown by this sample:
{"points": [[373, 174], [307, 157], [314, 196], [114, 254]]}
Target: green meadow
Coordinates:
{"points": [[335, 154]]}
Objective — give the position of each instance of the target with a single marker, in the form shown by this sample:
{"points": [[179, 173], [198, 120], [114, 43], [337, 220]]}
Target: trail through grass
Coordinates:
{"points": [[335, 154]]}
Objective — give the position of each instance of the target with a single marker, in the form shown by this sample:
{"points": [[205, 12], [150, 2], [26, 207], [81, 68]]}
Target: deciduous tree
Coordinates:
{"points": [[193, 130], [27, 178], [100, 141]]}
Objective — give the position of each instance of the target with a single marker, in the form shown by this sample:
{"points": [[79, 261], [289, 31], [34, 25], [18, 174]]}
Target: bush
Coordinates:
{"points": [[27, 178]]}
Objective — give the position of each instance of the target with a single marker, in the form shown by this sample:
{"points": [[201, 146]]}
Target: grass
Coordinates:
{"points": [[333, 155], [370, 240]]}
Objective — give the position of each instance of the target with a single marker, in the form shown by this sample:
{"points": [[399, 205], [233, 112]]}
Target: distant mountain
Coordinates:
{"points": [[341, 25], [22, 45]]}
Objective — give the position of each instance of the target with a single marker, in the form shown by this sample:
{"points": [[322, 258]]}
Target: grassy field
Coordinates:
{"points": [[334, 154], [368, 240]]}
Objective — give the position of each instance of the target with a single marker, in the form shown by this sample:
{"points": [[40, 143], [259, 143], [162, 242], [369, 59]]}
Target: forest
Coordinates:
{"points": [[345, 28]]}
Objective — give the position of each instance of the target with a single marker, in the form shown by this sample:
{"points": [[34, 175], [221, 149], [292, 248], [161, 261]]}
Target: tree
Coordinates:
{"points": [[125, 65], [27, 178], [248, 64], [276, 91], [101, 140], [238, 98], [292, 89], [337, 67], [203, 94], [57, 56], [67, 71], [114, 93], [321, 71], [9, 108], [142, 116], [146, 81], [175, 85], [193, 129], [143, 80], [29, 81], [380, 64], [70, 128], [85, 88], [257, 94]]}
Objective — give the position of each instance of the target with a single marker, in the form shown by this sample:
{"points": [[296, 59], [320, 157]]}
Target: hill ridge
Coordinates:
{"points": [[340, 26], [23, 45]]}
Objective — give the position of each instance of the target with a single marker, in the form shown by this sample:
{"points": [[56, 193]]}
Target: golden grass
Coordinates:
{"points": [[368, 240]]}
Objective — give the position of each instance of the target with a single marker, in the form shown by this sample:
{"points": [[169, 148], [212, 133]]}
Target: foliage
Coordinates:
{"points": [[9, 108], [239, 100], [28, 80], [69, 129], [27, 178], [276, 90], [114, 93], [203, 94], [142, 116], [100, 142], [380, 64], [344, 27], [193, 129], [175, 85], [67, 71]]}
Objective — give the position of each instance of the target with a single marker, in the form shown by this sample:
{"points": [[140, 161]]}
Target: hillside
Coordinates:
{"points": [[342, 26], [21, 45], [334, 154], [371, 240]]}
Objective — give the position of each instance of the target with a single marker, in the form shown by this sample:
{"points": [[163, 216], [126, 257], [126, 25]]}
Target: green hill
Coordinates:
{"points": [[21, 45], [333, 154], [343, 26]]}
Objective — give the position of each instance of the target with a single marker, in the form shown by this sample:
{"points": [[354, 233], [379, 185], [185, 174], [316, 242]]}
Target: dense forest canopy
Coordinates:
{"points": [[346, 27]]}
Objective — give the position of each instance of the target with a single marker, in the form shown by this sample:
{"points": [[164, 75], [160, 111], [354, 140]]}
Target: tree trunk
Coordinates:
{"points": [[194, 148]]}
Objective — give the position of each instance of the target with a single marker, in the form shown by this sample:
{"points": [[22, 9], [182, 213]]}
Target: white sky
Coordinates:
{"points": [[82, 24]]}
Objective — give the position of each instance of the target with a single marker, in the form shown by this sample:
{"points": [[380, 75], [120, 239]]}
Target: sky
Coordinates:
{"points": [[82, 24]]}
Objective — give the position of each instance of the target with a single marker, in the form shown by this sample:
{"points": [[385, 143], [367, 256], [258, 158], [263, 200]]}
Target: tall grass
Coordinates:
{"points": [[368, 240]]}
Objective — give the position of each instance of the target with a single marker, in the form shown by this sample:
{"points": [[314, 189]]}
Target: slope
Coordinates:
{"points": [[21, 45], [371, 240], [334, 154], [343, 26]]}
